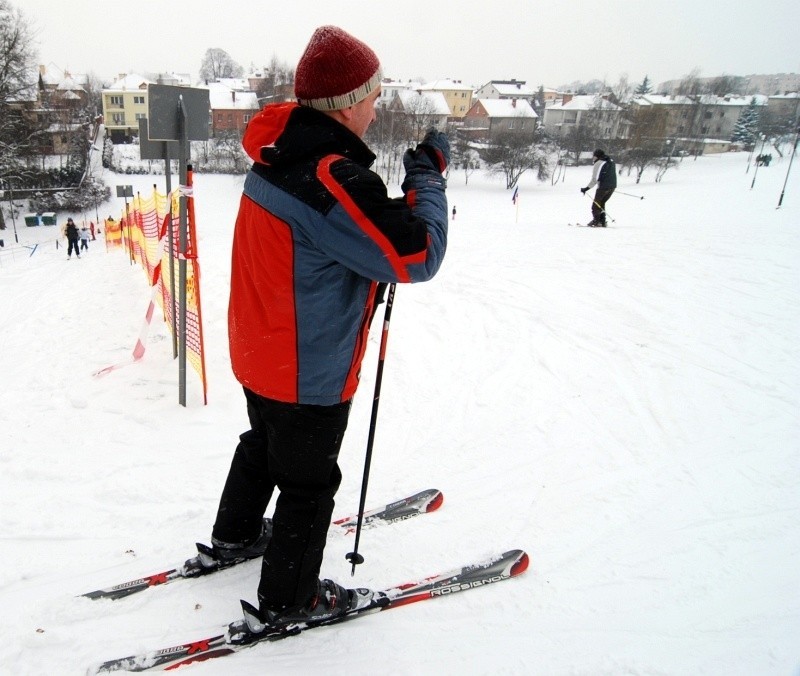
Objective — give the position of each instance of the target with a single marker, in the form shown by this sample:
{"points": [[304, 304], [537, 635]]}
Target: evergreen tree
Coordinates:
{"points": [[746, 129], [645, 87]]}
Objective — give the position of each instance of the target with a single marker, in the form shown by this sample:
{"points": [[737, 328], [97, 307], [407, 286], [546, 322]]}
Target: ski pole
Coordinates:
{"points": [[354, 557], [594, 201], [619, 192]]}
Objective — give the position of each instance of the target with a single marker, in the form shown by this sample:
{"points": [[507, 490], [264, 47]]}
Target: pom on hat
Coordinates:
{"points": [[336, 70]]}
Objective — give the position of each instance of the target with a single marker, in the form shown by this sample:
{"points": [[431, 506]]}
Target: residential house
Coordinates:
{"points": [[487, 117], [506, 89], [420, 110], [390, 88], [56, 110], [606, 118], [456, 93], [270, 88], [174, 79], [124, 104], [707, 116], [231, 110], [785, 106]]}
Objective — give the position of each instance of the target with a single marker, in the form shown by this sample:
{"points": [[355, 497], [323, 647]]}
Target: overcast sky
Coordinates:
{"points": [[545, 43]]}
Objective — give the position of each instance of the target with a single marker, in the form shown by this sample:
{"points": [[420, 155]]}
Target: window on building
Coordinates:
{"points": [[138, 99], [118, 118], [115, 100], [141, 116]]}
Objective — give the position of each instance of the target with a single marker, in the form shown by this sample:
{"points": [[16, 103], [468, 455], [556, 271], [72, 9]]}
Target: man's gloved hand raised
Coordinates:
{"points": [[432, 153], [583, 190]]}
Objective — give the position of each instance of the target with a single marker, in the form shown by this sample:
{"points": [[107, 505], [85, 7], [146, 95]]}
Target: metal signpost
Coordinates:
{"points": [[126, 191], [179, 114], [163, 150]]}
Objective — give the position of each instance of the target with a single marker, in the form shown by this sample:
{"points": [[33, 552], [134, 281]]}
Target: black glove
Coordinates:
{"points": [[583, 190], [432, 153]]}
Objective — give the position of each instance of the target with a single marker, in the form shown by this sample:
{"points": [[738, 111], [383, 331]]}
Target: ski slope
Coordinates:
{"points": [[620, 403]]}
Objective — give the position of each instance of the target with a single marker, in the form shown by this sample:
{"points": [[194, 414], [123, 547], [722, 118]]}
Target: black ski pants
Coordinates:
{"points": [[294, 448], [601, 196], [73, 244]]}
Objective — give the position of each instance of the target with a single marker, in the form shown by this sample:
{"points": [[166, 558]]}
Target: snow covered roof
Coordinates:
{"points": [[511, 89], [54, 77], [507, 108], [587, 102], [239, 84], [58, 127], [706, 100], [175, 79], [433, 103], [129, 82], [397, 85], [222, 97], [445, 85]]}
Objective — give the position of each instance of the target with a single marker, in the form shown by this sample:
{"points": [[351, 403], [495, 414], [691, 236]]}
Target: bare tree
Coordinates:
{"points": [[276, 77], [725, 84], [620, 93], [690, 84], [464, 156], [16, 84], [580, 138], [217, 63], [419, 115], [646, 140], [388, 138], [513, 153]]}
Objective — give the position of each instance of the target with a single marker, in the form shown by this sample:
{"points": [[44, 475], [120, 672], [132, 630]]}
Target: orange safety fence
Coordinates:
{"points": [[143, 232]]}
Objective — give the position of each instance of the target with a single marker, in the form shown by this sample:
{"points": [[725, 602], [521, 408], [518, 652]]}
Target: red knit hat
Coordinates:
{"points": [[335, 71]]}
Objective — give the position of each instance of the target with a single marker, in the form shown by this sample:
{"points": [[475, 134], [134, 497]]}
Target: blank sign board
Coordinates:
{"points": [[163, 113], [154, 150]]}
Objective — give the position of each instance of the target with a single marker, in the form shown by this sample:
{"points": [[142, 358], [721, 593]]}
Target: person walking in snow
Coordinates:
{"points": [[84, 237], [315, 241], [604, 175], [71, 233]]}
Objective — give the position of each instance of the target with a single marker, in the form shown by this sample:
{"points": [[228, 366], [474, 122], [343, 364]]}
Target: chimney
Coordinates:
{"points": [[566, 99], [513, 103]]}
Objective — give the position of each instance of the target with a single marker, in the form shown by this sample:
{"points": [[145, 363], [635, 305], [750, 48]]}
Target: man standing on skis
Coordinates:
{"points": [[315, 240], [604, 175]]}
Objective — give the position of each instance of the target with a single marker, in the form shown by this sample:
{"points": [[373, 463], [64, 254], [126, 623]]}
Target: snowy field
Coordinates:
{"points": [[621, 403]]}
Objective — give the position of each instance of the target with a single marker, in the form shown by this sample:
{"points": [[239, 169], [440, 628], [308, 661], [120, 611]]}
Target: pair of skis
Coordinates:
{"points": [[249, 631], [204, 562]]}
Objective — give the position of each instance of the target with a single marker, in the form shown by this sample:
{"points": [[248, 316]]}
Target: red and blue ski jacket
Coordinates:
{"points": [[315, 234]]}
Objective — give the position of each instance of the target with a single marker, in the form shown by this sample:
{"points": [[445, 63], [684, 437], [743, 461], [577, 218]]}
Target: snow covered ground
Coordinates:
{"points": [[621, 403]]}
